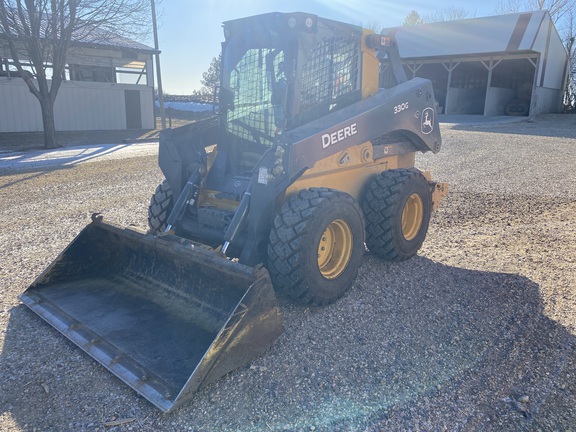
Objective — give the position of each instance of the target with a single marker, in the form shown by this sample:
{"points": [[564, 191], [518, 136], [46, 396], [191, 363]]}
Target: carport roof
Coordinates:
{"points": [[495, 34]]}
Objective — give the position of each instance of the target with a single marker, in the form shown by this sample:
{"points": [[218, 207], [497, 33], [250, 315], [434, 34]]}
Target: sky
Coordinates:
{"points": [[190, 31]]}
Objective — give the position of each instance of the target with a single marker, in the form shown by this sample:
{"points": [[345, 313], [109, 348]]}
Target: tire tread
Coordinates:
{"points": [[379, 205], [286, 247], [160, 208]]}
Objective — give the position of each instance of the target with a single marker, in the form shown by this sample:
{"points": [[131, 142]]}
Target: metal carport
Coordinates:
{"points": [[511, 64]]}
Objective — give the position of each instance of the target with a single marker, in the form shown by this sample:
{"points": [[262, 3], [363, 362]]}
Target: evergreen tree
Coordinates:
{"points": [[413, 18]]}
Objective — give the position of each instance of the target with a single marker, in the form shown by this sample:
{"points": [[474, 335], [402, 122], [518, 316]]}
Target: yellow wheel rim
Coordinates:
{"points": [[412, 216], [335, 249]]}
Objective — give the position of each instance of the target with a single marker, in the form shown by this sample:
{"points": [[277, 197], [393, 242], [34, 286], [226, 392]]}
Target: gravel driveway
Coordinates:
{"points": [[476, 333]]}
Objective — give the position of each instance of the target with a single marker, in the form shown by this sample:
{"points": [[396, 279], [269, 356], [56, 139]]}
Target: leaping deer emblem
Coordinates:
{"points": [[427, 119]]}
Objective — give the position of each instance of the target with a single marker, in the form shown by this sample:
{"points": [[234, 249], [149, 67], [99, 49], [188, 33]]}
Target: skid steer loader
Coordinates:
{"points": [[307, 162]]}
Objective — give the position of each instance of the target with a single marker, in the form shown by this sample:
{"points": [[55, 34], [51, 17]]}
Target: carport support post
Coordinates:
{"points": [[490, 68], [534, 85], [449, 68], [414, 68]]}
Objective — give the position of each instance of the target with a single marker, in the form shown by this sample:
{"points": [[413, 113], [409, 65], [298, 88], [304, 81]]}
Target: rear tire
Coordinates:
{"points": [[397, 207], [316, 245], [160, 207]]}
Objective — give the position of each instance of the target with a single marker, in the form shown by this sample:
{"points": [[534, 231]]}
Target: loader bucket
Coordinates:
{"points": [[162, 314]]}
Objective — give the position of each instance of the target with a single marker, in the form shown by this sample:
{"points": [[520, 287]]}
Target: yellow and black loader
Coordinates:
{"points": [[307, 162]]}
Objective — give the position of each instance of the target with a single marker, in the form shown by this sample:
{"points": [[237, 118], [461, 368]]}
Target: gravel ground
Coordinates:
{"points": [[476, 333]]}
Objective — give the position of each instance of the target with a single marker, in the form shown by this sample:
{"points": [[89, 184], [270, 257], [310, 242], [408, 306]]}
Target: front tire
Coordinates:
{"points": [[397, 207], [316, 245], [161, 205]]}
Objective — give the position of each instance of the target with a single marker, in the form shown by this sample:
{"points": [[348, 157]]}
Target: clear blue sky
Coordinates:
{"points": [[190, 31]]}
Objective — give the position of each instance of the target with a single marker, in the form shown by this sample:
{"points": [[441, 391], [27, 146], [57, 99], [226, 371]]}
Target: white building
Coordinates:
{"points": [[108, 86], [511, 64]]}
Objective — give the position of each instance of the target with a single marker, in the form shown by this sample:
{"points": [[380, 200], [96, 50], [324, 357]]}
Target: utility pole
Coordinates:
{"points": [[158, 73]]}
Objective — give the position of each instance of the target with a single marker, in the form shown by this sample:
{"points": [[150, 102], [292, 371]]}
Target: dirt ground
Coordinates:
{"points": [[475, 333]]}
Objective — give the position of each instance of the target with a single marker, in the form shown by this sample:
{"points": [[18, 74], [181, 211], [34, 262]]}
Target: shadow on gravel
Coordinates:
{"points": [[39, 161], [546, 125], [412, 346], [36, 164], [34, 173]]}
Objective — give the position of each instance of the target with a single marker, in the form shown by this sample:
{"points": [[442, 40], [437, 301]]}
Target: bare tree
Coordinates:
{"points": [[511, 6], [569, 38], [556, 8], [451, 13], [39, 34], [373, 25]]}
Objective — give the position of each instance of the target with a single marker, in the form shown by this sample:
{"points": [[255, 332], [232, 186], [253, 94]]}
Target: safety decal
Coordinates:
{"points": [[427, 121]]}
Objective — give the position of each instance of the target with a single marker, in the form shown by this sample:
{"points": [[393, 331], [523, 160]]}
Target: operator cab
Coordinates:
{"points": [[280, 71]]}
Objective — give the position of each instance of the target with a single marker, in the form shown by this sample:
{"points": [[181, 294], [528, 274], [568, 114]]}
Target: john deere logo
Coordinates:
{"points": [[427, 119], [339, 135]]}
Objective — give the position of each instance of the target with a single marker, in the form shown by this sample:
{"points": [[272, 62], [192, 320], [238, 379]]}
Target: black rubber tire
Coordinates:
{"points": [[160, 207], [383, 205], [293, 251]]}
